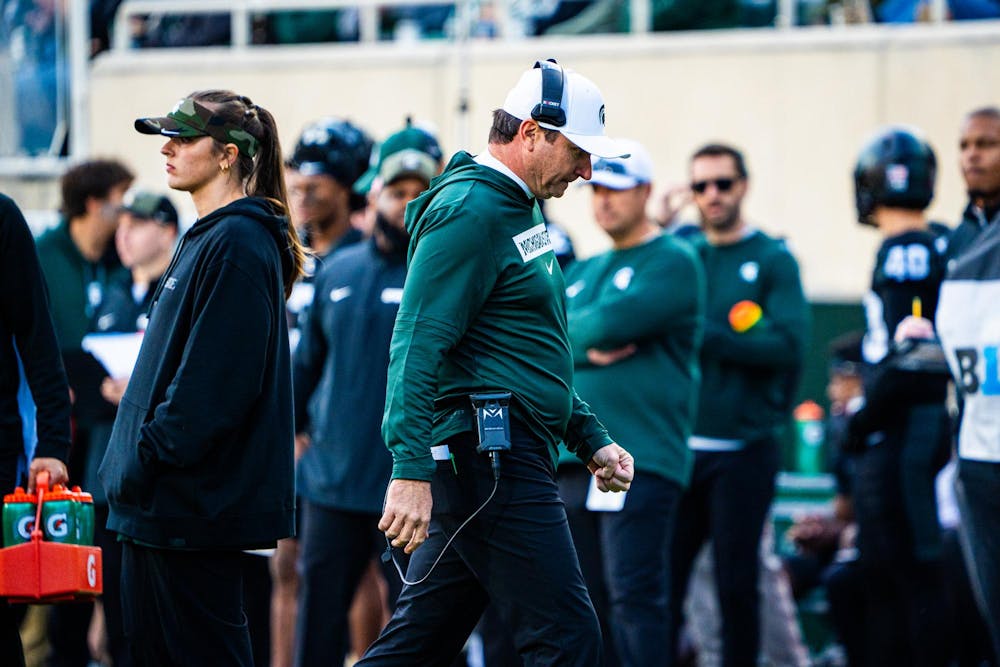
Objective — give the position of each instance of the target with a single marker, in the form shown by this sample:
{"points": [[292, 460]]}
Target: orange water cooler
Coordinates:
{"points": [[48, 554]]}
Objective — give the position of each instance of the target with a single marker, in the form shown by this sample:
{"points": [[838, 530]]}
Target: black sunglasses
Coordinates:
{"points": [[721, 184]]}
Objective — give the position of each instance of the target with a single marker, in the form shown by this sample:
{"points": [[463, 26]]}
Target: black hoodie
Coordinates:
{"points": [[974, 220], [201, 451]]}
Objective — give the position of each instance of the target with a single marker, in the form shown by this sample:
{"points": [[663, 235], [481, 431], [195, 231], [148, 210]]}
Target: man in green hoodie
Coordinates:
{"points": [[483, 310]]}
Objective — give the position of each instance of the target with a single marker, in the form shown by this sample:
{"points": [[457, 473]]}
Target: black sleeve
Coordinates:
{"points": [[25, 307], [889, 393], [309, 357]]}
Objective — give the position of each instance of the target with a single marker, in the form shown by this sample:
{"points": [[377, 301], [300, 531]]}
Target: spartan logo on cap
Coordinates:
{"points": [[602, 114]]}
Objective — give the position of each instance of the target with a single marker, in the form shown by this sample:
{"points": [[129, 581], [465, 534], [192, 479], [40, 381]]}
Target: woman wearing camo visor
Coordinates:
{"points": [[199, 466]]}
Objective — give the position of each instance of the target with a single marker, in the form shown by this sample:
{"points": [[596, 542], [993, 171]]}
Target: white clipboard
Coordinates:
{"points": [[117, 352]]}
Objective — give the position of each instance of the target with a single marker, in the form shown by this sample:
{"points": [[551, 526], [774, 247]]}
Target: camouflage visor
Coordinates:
{"points": [[191, 119]]}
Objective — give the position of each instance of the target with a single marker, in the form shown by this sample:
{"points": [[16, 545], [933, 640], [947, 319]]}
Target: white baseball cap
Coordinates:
{"points": [[619, 173], [581, 101]]}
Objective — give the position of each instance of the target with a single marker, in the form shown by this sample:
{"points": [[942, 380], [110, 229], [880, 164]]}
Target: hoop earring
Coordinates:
{"points": [[224, 167]]}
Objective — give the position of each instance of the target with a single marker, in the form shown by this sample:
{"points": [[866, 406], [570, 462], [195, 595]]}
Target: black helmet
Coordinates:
{"points": [[333, 147], [896, 168]]}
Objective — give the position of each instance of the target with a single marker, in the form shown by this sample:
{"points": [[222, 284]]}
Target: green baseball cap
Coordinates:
{"points": [[189, 118], [151, 206], [410, 152]]}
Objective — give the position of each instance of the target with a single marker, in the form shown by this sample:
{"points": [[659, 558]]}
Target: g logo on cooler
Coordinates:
{"points": [[92, 570], [24, 526], [57, 526]]}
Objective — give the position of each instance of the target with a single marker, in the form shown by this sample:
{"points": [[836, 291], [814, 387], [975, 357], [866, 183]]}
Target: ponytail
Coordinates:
{"points": [[267, 179], [263, 173]]}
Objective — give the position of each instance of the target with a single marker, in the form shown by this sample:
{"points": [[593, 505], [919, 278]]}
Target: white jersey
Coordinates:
{"points": [[968, 323]]}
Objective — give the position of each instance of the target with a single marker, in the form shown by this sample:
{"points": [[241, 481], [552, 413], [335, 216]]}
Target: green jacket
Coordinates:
{"points": [[748, 379], [652, 295], [483, 307], [75, 285]]}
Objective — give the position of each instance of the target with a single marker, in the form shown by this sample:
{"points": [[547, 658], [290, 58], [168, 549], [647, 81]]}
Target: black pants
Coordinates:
{"points": [[184, 607], [629, 587], [727, 502], [907, 620], [585, 527], [638, 576], [979, 499], [66, 629], [335, 549], [111, 559], [517, 554], [845, 591], [971, 646], [11, 652], [257, 605]]}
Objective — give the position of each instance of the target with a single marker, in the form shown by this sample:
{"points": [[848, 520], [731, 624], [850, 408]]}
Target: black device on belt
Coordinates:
{"points": [[493, 424]]}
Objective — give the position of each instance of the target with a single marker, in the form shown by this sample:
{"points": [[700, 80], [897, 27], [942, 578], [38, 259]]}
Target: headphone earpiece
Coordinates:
{"points": [[550, 110]]}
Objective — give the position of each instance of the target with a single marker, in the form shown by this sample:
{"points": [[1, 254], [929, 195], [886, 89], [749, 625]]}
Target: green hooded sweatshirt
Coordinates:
{"points": [[483, 308]]}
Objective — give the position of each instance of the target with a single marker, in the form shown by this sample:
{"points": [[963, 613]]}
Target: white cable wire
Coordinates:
{"points": [[392, 556]]}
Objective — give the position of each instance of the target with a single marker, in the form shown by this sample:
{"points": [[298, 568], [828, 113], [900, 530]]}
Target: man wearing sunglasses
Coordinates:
{"points": [[755, 328]]}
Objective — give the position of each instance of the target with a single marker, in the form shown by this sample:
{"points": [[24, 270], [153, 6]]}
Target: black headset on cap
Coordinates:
{"points": [[550, 110]]}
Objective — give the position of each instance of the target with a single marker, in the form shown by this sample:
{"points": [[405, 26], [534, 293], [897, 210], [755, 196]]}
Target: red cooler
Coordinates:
{"points": [[46, 571]]}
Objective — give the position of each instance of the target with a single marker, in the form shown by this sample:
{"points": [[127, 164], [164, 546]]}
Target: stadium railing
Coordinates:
{"points": [[74, 47], [242, 12]]}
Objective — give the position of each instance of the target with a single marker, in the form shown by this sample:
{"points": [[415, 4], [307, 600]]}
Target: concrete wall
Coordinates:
{"points": [[800, 103]]}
